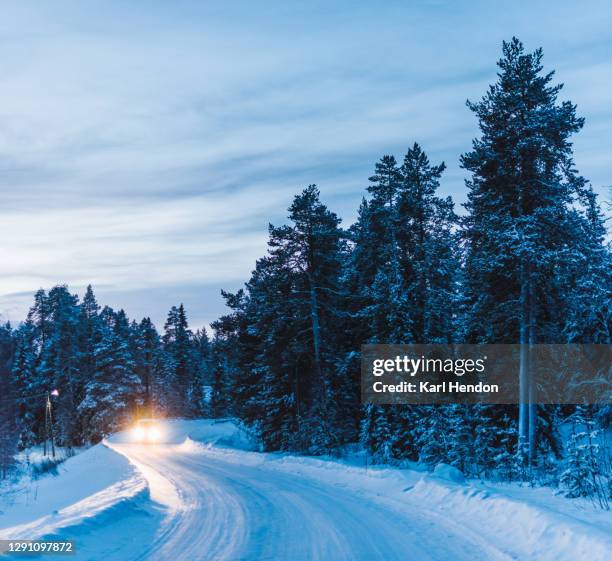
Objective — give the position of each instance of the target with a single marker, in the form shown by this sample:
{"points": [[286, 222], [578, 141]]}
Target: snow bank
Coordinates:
{"points": [[524, 523], [450, 473], [102, 483], [224, 433], [86, 485], [220, 433], [524, 529]]}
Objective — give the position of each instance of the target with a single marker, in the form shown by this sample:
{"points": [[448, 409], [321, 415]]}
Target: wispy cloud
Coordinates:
{"points": [[145, 149]]}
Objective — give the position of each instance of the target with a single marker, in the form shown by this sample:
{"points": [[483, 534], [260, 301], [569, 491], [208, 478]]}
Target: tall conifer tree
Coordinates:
{"points": [[526, 218]]}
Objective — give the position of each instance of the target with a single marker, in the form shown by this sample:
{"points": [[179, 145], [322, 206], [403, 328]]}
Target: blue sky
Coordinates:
{"points": [[145, 146]]}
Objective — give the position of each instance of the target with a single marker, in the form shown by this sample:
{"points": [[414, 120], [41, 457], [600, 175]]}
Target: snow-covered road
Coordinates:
{"points": [[229, 511], [206, 494]]}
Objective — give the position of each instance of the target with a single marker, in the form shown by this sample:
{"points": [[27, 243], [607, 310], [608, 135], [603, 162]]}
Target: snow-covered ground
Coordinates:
{"points": [[206, 494], [86, 484]]}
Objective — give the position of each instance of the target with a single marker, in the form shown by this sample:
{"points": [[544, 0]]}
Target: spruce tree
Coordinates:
{"points": [[284, 327], [149, 367], [182, 364], [585, 474], [59, 362], [112, 394], [429, 249], [27, 383], [233, 352], [9, 430]]}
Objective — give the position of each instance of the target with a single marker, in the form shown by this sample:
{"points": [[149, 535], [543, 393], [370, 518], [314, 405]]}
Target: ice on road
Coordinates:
{"points": [[225, 510]]}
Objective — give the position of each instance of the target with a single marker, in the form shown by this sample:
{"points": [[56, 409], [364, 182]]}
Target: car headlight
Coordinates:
{"points": [[138, 433], [154, 434]]}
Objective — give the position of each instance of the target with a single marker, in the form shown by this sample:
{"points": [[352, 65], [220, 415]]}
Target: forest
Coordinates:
{"points": [[526, 261]]}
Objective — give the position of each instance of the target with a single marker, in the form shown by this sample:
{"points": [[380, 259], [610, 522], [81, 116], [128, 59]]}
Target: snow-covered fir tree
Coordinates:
{"points": [[183, 365], [586, 471], [9, 420], [531, 224]]}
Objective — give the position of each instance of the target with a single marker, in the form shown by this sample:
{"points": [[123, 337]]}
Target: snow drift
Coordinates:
{"points": [[87, 485]]}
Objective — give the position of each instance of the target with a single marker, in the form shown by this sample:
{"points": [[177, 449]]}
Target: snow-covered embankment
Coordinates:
{"points": [[88, 485]]}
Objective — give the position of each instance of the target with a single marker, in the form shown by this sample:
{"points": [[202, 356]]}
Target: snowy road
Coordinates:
{"points": [[226, 510], [206, 495]]}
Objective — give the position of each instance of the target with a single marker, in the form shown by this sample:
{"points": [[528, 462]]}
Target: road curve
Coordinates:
{"points": [[238, 512]]}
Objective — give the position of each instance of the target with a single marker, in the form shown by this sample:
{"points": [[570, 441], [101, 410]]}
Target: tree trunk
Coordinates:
{"points": [[316, 339], [148, 405], [533, 414], [523, 365]]}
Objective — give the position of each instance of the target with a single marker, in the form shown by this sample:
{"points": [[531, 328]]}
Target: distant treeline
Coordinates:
{"points": [[106, 369], [527, 263]]}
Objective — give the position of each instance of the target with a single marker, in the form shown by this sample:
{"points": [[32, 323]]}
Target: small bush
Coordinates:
{"points": [[47, 466]]}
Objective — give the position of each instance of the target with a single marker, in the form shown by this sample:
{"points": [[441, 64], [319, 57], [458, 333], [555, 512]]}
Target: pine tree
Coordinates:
{"points": [[149, 367], [89, 335], [434, 437], [375, 430], [27, 383], [9, 430], [524, 225], [584, 475], [235, 349], [385, 217], [59, 362], [182, 364], [308, 253], [460, 452], [204, 357], [389, 314], [39, 317], [403, 269], [505, 459], [113, 392], [428, 245], [284, 326], [587, 281]]}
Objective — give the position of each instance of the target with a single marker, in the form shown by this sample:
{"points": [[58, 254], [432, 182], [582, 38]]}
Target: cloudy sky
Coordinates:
{"points": [[145, 146]]}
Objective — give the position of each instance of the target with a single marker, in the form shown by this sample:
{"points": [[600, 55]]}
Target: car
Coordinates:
{"points": [[147, 431]]}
